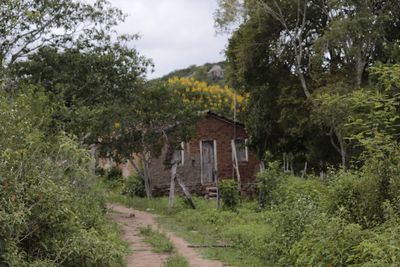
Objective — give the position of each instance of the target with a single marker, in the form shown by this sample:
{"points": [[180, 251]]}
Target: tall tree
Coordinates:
{"points": [[158, 118], [92, 86], [27, 25], [321, 43]]}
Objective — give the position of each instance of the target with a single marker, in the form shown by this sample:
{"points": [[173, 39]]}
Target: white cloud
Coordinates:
{"points": [[174, 33]]}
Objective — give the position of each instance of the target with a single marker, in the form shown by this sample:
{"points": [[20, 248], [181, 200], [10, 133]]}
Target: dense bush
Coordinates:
{"points": [[134, 187], [327, 241], [50, 214], [382, 248], [268, 181], [356, 196], [364, 193], [114, 174], [229, 193], [250, 238]]}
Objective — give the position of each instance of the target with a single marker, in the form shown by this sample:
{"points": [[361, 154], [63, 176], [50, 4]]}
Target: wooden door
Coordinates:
{"points": [[208, 162]]}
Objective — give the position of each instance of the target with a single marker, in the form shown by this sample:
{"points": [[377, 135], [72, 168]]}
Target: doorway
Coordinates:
{"points": [[208, 161]]}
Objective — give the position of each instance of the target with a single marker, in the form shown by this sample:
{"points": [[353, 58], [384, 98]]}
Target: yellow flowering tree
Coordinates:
{"points": [[208, 97]]}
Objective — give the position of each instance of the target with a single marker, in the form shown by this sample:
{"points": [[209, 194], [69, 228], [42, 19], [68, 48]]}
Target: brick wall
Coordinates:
{"points": [[209, 128]]}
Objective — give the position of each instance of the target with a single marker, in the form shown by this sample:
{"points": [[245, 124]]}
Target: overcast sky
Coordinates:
{"points": [[174, 33]]}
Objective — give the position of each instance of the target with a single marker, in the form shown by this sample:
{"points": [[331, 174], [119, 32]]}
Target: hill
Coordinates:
{"points": [[211, 73]]}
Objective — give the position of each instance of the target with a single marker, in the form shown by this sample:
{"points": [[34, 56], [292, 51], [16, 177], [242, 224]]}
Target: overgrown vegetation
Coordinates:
{"points": [[229, 193], [51, 214], [316, 81], [134, 187], [62, 75], [349, 218], [320, 76]]}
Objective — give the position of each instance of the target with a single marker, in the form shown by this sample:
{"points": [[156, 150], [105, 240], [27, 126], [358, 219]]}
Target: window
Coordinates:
{"points": [[241, 150]]}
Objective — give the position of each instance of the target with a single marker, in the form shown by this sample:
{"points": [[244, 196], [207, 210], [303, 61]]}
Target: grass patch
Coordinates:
{"points": [[159, 241], [176, 261]]}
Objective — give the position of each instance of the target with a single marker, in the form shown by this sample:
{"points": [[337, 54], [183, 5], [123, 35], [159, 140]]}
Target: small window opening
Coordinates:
{"points": [[241, 150]]}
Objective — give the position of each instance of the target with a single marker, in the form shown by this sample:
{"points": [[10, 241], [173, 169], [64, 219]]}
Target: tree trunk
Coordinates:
{"points": [[147, 178], [172, 184], [360, 63], [186, 192], [342, 146], [305, 170], [343, 152], [262, 166]]}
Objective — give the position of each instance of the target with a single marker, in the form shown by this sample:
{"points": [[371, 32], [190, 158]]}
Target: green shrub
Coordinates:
{"points": [[327, 241], [381, 249], [100, 171], [357, 195], [114, 174], [250, 239], [297, 204], [50, 212], [229, 193], [363, 193], [134, 187], [267, 183]]}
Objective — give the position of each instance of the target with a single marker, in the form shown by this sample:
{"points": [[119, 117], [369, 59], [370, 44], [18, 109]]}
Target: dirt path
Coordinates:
{"points": [[142, 255]]}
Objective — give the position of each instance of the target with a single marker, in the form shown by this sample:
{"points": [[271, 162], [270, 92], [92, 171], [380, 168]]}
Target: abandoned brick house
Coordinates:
{"points": [[208, 156]]}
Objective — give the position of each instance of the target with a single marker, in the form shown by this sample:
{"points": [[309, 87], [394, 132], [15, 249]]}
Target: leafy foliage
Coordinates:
{"points": [[50, 212], [267, 183], [318, 74], [228, 190], [29, 25], [220, 99], [114, 174], [134, 186]]}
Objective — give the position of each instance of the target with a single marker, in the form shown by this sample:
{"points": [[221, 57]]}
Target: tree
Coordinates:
{"points": [[356, 116], [321, 43], [296, 23], [158, 118], [358, 34], [202, 96], [27, 25], [92, 87]]}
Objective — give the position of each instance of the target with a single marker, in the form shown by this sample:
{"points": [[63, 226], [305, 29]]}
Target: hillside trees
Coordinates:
{"points": [[199, 73]]}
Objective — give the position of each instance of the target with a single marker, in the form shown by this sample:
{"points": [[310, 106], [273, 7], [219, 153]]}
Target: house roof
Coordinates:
{"points": [[223, 118]]}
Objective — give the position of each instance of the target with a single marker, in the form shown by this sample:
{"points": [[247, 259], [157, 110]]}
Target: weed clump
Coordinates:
{"points": [[229, 193], [158, 240]]}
